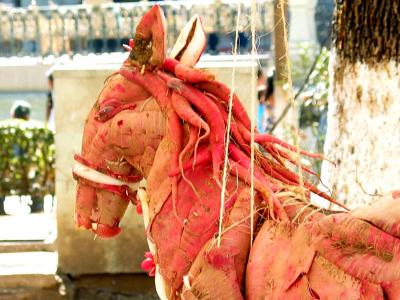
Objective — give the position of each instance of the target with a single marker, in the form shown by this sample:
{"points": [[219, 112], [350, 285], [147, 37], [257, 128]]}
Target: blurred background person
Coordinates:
{"points": [[260, 87], [265, 90], [20, 110], [269, 101], [50, 102]]}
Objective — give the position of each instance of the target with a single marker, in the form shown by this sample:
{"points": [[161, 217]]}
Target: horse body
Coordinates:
{"points": [[153, 120]]}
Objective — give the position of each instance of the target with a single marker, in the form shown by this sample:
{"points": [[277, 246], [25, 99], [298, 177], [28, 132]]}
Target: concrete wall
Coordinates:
{"points": [[75, 91], [25, 76]]}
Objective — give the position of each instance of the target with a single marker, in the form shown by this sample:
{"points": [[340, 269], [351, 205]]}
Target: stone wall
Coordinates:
{"points": [[26, 75]]}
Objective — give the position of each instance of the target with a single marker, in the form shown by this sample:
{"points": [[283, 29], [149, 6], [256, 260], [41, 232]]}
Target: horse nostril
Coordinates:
{"points": [[105, 231]]}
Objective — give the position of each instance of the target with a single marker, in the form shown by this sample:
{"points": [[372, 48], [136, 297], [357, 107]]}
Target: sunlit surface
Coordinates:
{"points": [[21, 225], [28, 263]]}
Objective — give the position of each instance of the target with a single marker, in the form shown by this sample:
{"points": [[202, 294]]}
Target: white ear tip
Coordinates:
{"points": [[190, 43]]}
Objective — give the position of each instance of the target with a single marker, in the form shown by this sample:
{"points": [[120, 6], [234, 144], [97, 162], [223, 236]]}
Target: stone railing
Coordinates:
{"points": [[57, 30]]}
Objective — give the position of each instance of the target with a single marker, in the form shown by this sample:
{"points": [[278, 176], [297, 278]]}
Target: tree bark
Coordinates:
{"points": [[281, 95], [363, 135]]}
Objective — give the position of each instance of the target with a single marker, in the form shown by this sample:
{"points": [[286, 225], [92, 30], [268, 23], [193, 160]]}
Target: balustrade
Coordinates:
{"points": [[57, 30]]}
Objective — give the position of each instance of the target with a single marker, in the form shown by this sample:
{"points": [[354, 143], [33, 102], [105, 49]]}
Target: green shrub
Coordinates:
{"points": [[311, 73], [27, 159]]}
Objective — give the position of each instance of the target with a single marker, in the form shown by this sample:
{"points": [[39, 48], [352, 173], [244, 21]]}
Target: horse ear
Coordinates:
{"points": [[190, 43], [150, 39]]}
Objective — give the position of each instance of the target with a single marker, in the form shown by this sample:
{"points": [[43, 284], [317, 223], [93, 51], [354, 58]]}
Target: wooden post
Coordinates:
{"points": [[281, 97]]}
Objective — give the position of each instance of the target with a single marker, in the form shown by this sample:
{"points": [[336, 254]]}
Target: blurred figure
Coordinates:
{"points": [[265, 89], [20, 110], [269, 101], [2, 211], [243, 42], [213, 41], [260, 87], [50, 101]]}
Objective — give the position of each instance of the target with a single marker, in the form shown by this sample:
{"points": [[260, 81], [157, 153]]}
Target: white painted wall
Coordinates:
{"points": [[302, 22], [23, 77]]}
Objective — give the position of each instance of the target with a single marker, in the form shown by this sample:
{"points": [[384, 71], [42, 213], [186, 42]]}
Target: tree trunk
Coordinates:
{"points": [[281, 94], [363, 135]]}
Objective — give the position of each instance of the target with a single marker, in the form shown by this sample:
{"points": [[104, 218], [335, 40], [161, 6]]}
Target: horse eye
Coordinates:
{"points": [[102, 115]]}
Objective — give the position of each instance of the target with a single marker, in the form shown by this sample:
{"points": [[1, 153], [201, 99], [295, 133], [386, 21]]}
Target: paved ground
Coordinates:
{"points": [[31, 273]]}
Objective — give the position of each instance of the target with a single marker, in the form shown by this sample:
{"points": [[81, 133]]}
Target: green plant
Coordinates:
{"points": [[315, 99], [27, 159], [312, 77]]}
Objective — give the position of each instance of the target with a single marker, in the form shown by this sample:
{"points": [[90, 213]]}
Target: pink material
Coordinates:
{"points": [[148, 264], [139, 209], [155, 120]]}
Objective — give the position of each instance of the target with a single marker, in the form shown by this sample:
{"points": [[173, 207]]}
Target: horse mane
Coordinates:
{"points": [[193, 97]]}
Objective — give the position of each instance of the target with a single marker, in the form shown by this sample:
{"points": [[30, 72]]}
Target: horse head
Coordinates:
{"points": [[125, 127]]}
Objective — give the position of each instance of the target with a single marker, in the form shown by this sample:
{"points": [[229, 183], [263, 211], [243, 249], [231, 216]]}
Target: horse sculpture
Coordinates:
{"points": [[162, 120]]}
